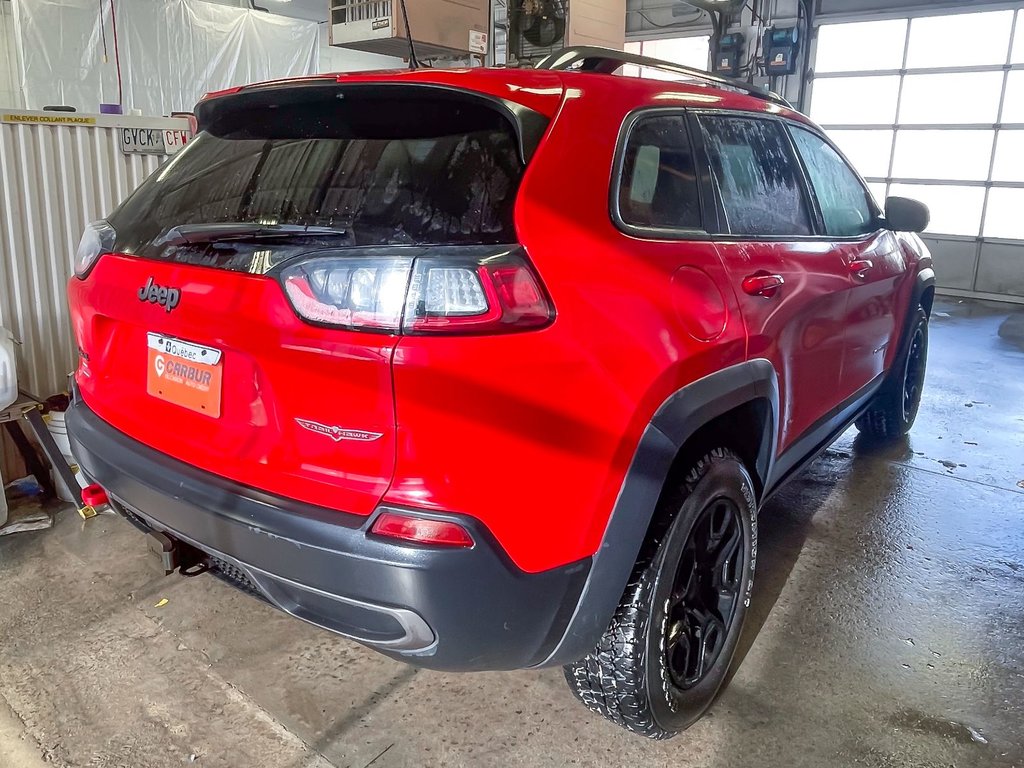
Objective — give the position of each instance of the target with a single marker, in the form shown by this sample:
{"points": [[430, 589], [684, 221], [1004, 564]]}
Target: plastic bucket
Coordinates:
{"points": [[8, 369], [59, 432]]}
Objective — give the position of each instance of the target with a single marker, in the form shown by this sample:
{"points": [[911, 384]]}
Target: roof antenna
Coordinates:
{"points": [[414, 63]]}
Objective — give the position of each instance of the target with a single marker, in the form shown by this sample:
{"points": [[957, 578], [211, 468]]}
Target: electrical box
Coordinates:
{"points": [[781, 49], [729, 61], [541, 27], [440, 28]]}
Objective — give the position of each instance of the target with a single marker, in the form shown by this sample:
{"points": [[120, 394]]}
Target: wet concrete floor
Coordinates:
{"points": [[887, 630]]}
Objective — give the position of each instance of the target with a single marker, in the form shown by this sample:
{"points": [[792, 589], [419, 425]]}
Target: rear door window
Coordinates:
{"points": [[658, 183], [842, 197], [359, 170], [757, 176]]}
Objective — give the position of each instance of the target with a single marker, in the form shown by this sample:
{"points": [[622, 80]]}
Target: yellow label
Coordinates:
{"points": [[64, 119]]}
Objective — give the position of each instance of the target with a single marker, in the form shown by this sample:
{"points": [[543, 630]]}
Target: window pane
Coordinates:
{"points": [[868, 150], [1003, 217], [631, 70], [841, 46], [955, 210], [757, 177], [960, 40], [689, 51], [1018, 41], [842, 199], [959, 98], [1009, 157], [954, 155], [1013, 109], [878, 192], [855, 100], [659, 184]]}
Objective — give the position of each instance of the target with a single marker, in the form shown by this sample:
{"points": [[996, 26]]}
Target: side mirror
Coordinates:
{"points": [[905, 215]]}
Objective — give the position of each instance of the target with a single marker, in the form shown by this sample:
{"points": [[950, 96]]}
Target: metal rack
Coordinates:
{"points": [[347, 11], [606, 60], [28, 410]]}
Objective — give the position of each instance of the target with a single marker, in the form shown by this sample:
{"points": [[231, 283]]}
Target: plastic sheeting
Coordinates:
{"points": [[172, 51]]}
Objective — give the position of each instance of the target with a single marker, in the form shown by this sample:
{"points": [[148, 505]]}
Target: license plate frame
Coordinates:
{"points": [[184, 373]]}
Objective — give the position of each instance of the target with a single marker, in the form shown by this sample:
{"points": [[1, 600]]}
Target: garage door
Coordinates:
{"points": [[932, 107]]}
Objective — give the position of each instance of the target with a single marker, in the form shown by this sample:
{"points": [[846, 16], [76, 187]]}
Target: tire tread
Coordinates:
{"points": [[610, 680], [883, 420]]}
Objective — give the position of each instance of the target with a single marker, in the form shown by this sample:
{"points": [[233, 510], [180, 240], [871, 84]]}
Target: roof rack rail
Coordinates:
{"points": [[592, 58]]}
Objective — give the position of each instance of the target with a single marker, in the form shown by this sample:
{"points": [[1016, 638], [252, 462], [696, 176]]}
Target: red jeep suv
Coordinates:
{"points": [[492, 368]]}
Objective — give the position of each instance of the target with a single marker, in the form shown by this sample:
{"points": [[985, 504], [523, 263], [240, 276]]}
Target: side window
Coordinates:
{"points": [[658, 186], [757, 177], [841, 196]]}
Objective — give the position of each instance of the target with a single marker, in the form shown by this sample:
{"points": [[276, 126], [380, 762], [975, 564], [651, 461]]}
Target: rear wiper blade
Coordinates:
{"points": [[191, 234]]}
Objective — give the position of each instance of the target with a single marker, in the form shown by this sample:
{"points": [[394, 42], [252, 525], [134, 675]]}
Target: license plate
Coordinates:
{"points": [[185, 374]]}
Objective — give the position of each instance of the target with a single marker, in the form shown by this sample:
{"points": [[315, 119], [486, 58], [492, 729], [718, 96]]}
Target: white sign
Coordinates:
{"points": [[477, 41], [197, 353], [152, 141]]}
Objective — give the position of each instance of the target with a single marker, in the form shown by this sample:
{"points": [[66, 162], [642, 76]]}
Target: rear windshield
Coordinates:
{"points": [[372, 170]]}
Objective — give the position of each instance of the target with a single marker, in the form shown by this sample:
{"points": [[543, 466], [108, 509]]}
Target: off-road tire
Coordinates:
{"points": [[626, 678], [893, 411]]}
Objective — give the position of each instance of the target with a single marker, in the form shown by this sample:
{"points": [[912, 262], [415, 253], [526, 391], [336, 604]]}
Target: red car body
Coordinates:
{"points": [[530, 439]]}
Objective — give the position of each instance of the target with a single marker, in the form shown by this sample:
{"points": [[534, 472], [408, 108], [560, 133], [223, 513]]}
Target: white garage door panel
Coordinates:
{"points": [[955, 261], [1001, 269], [944, 124], [848, 7]]}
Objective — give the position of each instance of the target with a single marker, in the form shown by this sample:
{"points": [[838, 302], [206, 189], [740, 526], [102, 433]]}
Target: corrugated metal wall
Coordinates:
{"points": [[54, 179]]}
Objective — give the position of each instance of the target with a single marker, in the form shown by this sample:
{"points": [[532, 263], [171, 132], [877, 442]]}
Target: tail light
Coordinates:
{"points": [[421, 530], [349, 292], [94, 496], [97, 239], [443, 290]]}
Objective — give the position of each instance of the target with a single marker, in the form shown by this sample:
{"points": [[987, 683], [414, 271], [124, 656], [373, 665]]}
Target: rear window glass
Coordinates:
{"points": [[379, 171], [659, 184]]}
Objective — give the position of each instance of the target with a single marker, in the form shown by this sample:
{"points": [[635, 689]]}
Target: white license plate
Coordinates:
{"points": [[189, 350]]}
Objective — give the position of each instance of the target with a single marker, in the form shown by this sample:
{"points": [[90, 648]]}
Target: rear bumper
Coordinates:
{"points": [[455, 609]]}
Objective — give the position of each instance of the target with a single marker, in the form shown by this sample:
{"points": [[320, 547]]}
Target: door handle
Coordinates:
{"points": [[762, 284], [860, 267]]}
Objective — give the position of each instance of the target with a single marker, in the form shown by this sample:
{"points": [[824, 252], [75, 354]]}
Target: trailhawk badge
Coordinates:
{"points": [[337, 434]]}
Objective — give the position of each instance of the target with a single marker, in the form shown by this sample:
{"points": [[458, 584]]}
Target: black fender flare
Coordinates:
{"points": [[924, 280], [675, 422]]}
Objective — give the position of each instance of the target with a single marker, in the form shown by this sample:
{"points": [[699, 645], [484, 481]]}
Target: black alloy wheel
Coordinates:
{"points": [[705, 595], [913, 379]]}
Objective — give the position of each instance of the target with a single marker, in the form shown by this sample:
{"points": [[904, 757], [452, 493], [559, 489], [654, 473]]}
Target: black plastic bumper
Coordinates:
{"points": [[456, 609]]}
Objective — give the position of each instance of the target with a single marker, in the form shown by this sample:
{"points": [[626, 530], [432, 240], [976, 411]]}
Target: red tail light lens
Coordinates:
{"points": [[438, 290], [421, 530], [494, 294], [349, 292]]}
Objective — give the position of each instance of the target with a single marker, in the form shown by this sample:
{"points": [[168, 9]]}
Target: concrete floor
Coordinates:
{"points": [[887, 630]]}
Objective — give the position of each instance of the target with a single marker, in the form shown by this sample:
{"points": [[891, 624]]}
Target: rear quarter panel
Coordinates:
{"points": [[532, 433]]}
